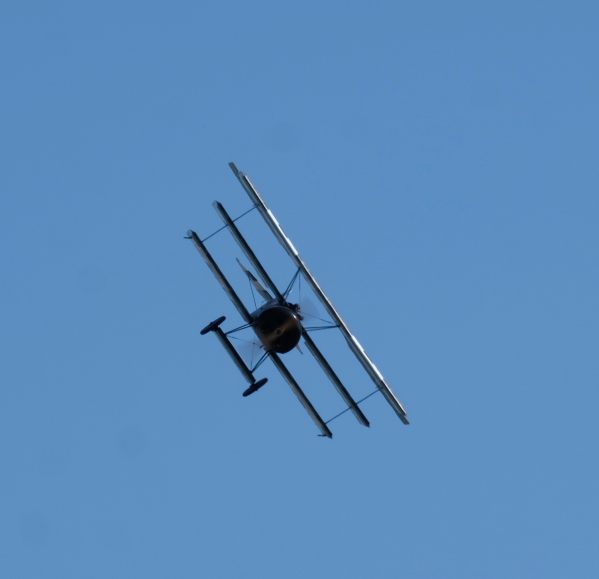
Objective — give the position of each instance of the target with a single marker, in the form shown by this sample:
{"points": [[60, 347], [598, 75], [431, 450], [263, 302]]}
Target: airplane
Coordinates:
{"points": [[278, 323]]}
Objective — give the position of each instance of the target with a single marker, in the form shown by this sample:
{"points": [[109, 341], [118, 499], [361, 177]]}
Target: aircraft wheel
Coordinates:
{"points": [[254, 387], [212, 325]]}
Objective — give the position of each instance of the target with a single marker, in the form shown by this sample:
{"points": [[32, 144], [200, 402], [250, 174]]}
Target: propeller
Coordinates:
{"points": [[249, 350], [308, 309]]}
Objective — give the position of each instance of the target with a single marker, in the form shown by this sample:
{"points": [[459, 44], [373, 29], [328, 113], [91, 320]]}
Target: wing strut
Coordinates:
{"points": [[351, 340]]}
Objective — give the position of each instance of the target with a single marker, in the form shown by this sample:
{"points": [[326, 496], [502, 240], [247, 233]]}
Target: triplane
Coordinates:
{"points": [[278, 323]]}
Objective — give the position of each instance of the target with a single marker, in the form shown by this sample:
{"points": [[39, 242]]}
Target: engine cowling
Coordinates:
{"points": [[278, 328]]}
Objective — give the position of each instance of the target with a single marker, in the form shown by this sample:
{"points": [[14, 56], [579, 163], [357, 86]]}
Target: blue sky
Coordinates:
{"points": [[435, 164]]}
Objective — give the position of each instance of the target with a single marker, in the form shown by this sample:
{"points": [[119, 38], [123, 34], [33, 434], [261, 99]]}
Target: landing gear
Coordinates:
{"points": [[212, 325], [255, 387], [247, 372]]}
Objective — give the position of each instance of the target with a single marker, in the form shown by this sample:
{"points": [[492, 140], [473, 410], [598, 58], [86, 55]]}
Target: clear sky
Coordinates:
{"points": [[436, 165]]}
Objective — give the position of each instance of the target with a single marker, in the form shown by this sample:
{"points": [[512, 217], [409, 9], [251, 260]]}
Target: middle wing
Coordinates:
{"points": [[234, 231]]}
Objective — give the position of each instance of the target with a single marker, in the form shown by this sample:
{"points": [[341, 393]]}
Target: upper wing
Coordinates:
{"points": [[352, 342]]}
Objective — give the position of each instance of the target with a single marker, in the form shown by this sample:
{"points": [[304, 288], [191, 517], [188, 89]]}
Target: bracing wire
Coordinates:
{"points": [[350, 407], [262, 358], [225, 226], [238, 329], [291, 283]]}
